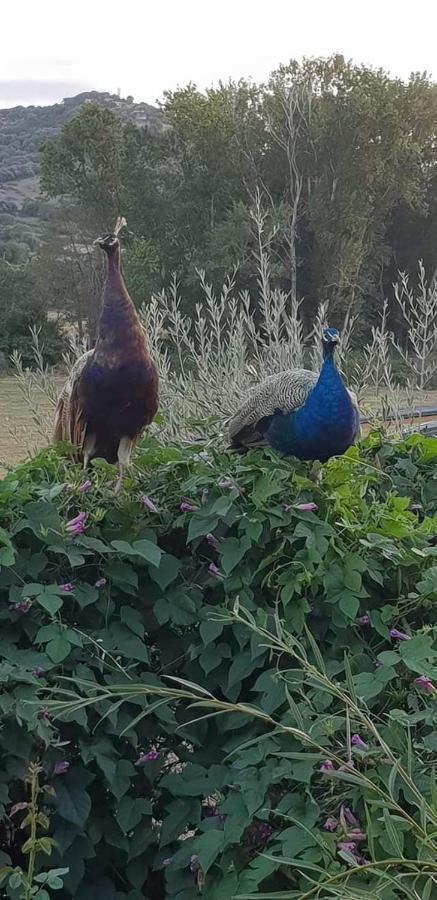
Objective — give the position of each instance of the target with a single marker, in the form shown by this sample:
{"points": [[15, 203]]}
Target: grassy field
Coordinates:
{"points": [[22, 430]]}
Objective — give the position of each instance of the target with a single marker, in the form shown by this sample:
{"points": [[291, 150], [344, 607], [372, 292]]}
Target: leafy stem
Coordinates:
{"points": [[32, 818]]}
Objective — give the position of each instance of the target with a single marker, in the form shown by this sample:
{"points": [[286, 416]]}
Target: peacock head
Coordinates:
{"points": [[330, 339], [109, 242]]}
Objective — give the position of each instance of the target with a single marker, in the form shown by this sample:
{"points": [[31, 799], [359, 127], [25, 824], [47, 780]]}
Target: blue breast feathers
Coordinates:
{"points": [[326, 425]]}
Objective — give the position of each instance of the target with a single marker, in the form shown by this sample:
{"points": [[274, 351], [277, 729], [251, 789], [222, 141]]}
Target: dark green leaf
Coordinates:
{"points": [[73, 803], [131, 811], [207, 847], [148, 551], [42, 515], [85, 594], [232, 552], [210, 630], [200, 525], [168, 571], [58, 648], [50, 602]]}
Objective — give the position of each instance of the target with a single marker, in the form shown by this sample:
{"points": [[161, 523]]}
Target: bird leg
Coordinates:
{"points": [[124, 455], [88, 449]]}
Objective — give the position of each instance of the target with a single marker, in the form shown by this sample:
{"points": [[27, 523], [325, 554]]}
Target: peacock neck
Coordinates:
{"points": [[329, 382], [328, 349], [115, 293], [119, 330], [115, 290]]}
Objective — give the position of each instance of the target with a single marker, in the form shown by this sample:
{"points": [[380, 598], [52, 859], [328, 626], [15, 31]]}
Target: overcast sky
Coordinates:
{"points": [[52, 49]]}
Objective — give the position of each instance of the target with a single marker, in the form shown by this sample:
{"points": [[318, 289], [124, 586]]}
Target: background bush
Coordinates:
{"points": [[155, 799], [23, 308]]}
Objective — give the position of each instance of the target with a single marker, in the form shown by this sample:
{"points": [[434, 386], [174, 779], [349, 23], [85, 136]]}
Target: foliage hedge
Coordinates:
{"points": [[161, 805]]}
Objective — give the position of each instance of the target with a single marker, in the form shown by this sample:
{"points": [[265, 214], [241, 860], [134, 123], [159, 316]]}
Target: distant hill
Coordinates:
{"points": [[22, 130]]}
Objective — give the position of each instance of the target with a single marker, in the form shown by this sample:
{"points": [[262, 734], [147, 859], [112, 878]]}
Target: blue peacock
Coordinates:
{"points": [[299, 413]]}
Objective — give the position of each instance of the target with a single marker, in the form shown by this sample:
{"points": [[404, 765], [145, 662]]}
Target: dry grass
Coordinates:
{"points": [[19, 435]]}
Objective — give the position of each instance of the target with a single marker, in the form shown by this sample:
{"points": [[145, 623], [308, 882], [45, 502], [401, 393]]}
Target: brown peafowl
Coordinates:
{"points": [[111, 394]]}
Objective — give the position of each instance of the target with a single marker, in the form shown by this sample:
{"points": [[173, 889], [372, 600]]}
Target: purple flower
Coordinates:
{"points": [[144, 758], [211, 812], [347, 817], [22, 606], [44, 714], [37, 673], [358, 742], [167, 862], [327, 766], [330, 824], [77, 525], [85, 486], [100, 582], [66, 588], [148, 503], [350, 847], [194, 862], [307, 507], [213, 570], [187, 507], [398, 635], [263, 833], [152, 755], [61, 768], [213, 541], [347, 846], [363, 620], [425, 684]]}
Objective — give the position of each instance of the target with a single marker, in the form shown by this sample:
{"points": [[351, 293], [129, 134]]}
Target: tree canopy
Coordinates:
{"points": [[339, 161]]}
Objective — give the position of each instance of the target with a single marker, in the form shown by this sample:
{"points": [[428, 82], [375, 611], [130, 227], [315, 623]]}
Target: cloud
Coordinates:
{"points": [[34, 91]]}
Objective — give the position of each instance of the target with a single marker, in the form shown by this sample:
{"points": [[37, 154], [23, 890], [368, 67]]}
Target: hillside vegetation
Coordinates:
{"points": [[22, 131]]}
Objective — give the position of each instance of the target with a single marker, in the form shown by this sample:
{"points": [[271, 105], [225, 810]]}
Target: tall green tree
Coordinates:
{"points": [[84, 162], [22, 307], [338, 153]]}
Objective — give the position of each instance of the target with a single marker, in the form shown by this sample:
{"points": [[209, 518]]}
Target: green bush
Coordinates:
{"points": [[23, 308], [222, 577]]}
